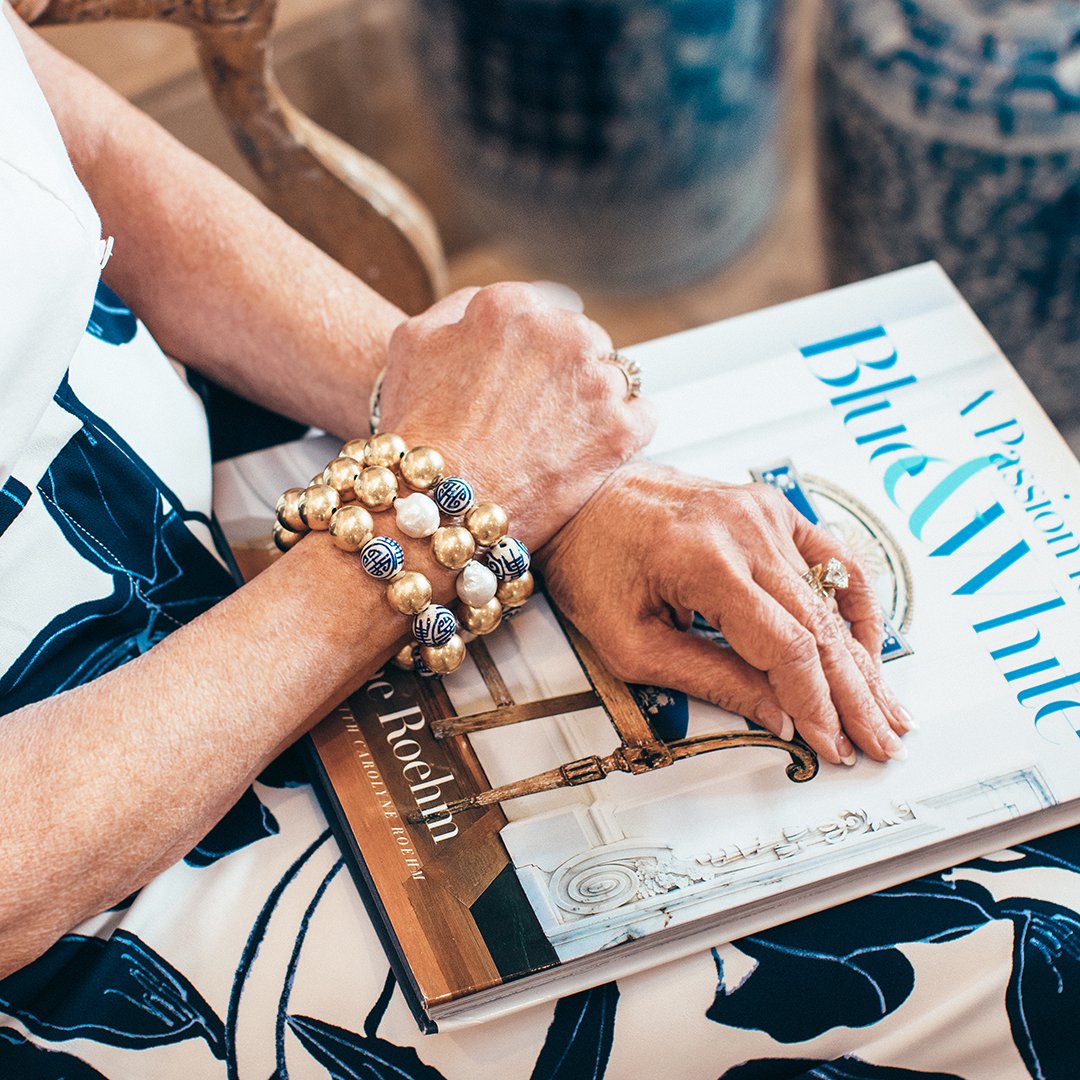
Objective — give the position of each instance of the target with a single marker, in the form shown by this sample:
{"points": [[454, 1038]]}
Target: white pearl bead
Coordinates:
{"points": [[476, 584], [417, 515]]}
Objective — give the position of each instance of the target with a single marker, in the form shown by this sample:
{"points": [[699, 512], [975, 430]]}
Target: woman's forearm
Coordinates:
{"points": [[221, 282], [107, 784]]}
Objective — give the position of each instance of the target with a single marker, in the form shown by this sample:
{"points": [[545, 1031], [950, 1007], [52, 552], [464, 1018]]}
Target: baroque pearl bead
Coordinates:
{"points": [[476, 584], [508, 559], [452, 546], [341, 475], [421, 467], [376, 487], [286, 538], [354, 449], [382, 557], [487, 522], [454, 496], [435, 625], [385, 449], [288, 510], [409, 592], [514, 592], [351, 527], [417, 515], [443, 659], [317, 506], [482, 620]]}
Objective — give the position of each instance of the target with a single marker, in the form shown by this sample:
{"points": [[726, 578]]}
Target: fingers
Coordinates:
{"points": [[664, 656], [858, 602], [769, 638], [861, 700]]}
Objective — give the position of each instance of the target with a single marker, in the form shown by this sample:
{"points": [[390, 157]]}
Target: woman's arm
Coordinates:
{"points": [[107, 784], [222, 283]]}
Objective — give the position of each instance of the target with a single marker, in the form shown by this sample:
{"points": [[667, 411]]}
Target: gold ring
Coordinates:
{"points": [[631, 372], [826, 579]]}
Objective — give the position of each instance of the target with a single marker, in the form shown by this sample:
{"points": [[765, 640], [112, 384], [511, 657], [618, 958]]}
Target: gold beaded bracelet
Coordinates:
{"points": [[363, 479]]}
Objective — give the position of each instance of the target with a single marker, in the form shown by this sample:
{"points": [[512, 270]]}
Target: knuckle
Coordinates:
{"points": [[505, 298], [824, 625], [800, 651]]}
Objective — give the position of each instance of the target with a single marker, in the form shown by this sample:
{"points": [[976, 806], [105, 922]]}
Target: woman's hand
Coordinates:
{"points": [[518, 397], [654, 545]]}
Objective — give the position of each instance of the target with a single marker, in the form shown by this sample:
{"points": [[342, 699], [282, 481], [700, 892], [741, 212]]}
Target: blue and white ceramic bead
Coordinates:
{"points": [[508, 559], [382, 557], [454, 496], [421, 668], [435, 625], [417, 515]]}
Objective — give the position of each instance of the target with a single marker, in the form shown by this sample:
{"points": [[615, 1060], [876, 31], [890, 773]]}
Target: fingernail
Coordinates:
{"points": [[845, 751], [905, 718], [776, 720], [893, 747], [787, 729]]}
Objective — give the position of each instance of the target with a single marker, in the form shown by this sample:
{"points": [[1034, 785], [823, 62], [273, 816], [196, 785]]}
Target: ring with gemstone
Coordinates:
{"points": [[826, 578], [631, 372]]}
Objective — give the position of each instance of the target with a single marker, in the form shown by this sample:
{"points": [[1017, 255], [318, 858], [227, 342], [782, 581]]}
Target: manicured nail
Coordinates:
{"points": [[776, 720], [845, 751], [787, 729], [891, 744], [905, 718]]}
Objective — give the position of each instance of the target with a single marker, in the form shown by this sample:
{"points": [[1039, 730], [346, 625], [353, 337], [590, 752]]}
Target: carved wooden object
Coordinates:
{"points": [[340, 199]]}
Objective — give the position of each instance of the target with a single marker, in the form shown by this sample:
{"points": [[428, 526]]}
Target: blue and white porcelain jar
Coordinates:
{"points": [[620, 144], [951, 131]]}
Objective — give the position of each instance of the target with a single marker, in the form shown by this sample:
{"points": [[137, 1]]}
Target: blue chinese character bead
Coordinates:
{"points": [[435, 625], [508, 559], [454, 496], [382, 557]]}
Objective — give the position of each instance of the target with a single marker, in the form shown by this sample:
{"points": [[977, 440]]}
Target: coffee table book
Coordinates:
{"points": [[630, 826]]}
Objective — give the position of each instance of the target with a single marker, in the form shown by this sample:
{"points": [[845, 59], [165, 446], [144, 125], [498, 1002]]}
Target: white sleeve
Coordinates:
{"points": [[50, 251]]}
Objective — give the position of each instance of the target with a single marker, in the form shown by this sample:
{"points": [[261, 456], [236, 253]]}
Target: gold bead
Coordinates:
{"points": [[376, 487], [351, 527], [315, 480], [286, 538], [514, 593], [442, 659], [341, 475], [409, 592], [288, 511], [403, 658], [384, 449], [453, 546], [354, 448], [488, 523], [482, 620], [317, 506], [421, 467]]}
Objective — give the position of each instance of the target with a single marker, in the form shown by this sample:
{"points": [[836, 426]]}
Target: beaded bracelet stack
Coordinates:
{"points": [[365, 478]]}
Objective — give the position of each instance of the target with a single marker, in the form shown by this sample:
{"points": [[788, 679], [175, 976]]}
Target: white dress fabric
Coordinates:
{"points": [[253, 957]]}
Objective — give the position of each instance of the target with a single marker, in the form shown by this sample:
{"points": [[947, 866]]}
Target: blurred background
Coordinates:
{"points": [[679, 161]]}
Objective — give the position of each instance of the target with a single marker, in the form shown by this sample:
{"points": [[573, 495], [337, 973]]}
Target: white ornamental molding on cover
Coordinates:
{"points": [[624, 889]]}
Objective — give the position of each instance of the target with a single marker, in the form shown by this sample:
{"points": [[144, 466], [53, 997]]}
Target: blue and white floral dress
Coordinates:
{"points": [[253, 957]]}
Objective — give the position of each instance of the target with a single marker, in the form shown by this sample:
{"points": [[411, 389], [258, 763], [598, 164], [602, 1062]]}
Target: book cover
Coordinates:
{"points": [[630, 825]]}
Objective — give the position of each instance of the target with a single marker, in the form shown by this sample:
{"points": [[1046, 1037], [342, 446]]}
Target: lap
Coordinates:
{"points": [[254, 957]]}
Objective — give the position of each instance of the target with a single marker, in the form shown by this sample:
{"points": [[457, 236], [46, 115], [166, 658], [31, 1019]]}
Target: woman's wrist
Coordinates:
{"points": [[430, 503]]}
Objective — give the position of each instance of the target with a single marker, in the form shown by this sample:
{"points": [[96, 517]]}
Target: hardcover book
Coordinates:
{"points": [[531, 826]]}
